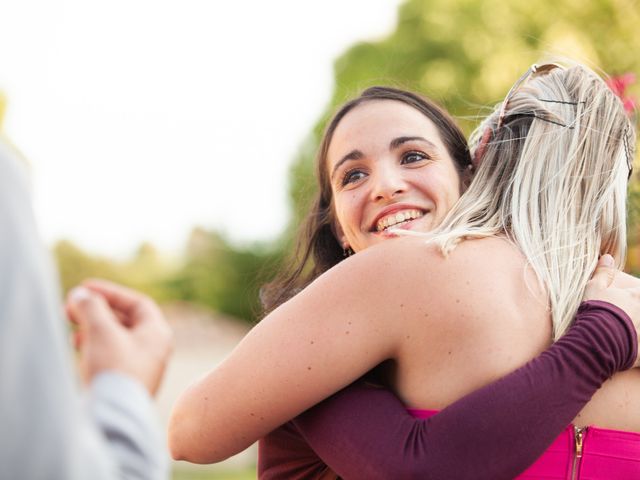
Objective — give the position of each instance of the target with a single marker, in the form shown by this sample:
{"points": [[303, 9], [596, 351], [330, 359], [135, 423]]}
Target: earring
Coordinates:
{"points": [[347, 252]]}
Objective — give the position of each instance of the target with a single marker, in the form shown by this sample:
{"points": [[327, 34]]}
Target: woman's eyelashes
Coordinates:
{"points": [[414, 156], [354, 175]]}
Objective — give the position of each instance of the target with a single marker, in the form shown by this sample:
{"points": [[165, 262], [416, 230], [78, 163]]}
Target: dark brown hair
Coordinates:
{"points": [[317, 249]]}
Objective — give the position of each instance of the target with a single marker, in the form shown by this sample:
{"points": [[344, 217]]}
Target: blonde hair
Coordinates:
{"points": [[553, 179]]}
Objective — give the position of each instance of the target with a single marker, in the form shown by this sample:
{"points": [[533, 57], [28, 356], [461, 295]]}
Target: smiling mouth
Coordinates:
{"points": [[397, 219]]}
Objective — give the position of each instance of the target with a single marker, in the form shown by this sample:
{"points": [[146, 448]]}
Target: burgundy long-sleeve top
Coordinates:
{"points": [[364, 432]]}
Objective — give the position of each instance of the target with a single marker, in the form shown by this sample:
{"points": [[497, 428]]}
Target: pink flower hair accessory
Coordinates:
{"points": [[618, 85]]}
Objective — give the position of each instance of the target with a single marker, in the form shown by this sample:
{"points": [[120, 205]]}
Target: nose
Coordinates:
{"points": [[388, 183]]}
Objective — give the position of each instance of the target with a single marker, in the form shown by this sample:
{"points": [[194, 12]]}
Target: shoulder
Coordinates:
{"points": [[482, 285], [409, 271], [413, 263], [625, 280]]}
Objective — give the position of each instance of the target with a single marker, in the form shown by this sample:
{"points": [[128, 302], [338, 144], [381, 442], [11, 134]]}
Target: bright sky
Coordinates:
{"points": [[144, 118]]}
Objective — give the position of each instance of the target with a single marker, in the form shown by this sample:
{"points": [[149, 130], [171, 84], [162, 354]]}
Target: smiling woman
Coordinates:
{"points": [[394, 152], [442, 152]]}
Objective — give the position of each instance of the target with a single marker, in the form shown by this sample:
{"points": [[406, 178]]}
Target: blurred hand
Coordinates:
{"points": [[119, 329], [605, 286]]}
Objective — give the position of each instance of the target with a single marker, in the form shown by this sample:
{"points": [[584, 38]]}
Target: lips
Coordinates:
{"points": [[396, 216]]}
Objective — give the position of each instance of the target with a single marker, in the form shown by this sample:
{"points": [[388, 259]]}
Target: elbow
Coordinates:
{"points": [[178, 439], [188, 442], [176, 449], [182, 440]]}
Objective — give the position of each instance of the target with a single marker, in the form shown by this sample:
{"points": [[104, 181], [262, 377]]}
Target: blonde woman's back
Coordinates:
{"points": [[473, 317]]}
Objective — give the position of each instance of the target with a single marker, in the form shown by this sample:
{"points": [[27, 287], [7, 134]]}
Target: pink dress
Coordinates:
{"points": [[587, 453]]}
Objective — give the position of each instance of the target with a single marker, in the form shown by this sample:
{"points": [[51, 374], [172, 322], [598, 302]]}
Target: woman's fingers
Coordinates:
{"points": [[89, 310], [132, 304], [605, 272]]}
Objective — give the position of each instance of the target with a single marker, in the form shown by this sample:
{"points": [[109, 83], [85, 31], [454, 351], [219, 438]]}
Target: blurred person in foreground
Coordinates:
{"points": [[50, 430]]}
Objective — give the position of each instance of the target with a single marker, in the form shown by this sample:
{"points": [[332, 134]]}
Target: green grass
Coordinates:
{"points": [[205, 474]]}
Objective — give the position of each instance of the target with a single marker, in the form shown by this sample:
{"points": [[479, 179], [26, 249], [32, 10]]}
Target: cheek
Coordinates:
{"points": [[448, 185], [443, 190], [349, 213]]}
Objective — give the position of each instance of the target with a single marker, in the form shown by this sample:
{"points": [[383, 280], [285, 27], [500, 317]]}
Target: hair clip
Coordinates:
{"points": [[560, 101], [627, 151], [543, 119], [533, 70]]}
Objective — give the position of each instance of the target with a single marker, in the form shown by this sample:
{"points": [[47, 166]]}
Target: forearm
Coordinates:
{"points": [[365, 432]]}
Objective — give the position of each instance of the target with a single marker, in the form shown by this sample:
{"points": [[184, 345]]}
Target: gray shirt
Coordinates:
{"points": [[48, 429]]}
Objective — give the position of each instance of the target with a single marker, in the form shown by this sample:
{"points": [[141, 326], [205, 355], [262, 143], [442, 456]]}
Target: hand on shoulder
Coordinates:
{"points": [[610, 285]]}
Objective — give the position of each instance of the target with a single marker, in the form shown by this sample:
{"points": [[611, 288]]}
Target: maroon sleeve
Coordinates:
{"points": [[495, 432]]}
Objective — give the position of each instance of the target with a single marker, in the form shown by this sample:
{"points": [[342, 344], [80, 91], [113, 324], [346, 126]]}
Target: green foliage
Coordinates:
{"points": [[466, 54], [145, 271], [212, 272], [222, 276]]}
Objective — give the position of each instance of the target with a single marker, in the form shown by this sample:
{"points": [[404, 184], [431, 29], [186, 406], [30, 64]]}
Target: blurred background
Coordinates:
{"points": [[171, 143]]}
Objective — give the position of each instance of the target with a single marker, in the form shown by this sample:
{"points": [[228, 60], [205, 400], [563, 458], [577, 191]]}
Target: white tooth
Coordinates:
{"points": [[399, 217]]}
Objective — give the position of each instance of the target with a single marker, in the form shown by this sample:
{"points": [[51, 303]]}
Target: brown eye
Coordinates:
{"points": [[413, 157], [352, 176]]}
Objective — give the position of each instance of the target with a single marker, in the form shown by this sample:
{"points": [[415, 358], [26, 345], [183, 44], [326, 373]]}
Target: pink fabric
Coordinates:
{"points": [[606, 454]]}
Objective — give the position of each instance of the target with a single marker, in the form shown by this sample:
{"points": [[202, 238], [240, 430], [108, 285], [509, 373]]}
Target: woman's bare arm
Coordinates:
{"points": [[333, 332]]}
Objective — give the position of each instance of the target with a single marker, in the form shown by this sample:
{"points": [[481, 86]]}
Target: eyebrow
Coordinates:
{"points": [[352, 155], [395, 143]]}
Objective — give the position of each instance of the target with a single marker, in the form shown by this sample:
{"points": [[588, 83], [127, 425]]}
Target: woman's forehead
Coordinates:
{"points": [[374, 124]]}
